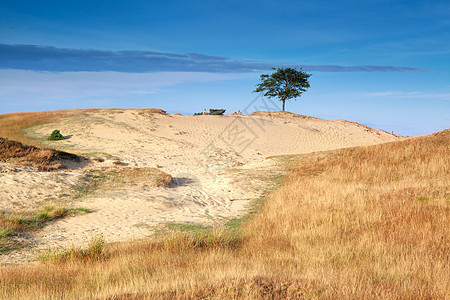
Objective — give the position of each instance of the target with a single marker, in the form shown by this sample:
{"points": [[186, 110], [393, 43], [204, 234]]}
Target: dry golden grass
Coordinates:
{"points": [[366, 222], [13, 124], [44, 159]]}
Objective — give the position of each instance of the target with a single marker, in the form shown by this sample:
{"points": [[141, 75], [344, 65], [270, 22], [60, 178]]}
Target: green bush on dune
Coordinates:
{"points": [[212, 111], [216, 111], [56, 136]]}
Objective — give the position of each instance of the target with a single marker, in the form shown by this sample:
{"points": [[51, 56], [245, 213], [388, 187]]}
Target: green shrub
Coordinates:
{"points": [[56, 136], [216, 111], [212, 111]]}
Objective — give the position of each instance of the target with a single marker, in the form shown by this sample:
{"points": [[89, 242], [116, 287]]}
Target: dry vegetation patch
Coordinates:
{"points": [[44, 159], [125, 177], [105, 179], [366, 222], [97, 181]]}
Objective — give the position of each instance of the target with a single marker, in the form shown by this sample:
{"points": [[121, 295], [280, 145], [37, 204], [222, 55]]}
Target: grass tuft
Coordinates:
{"points": [[200, 240], [94, 252], [83, 209]]}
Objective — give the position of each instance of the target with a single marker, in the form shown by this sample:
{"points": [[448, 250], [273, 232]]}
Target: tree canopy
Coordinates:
{"points": [[284, 84]]}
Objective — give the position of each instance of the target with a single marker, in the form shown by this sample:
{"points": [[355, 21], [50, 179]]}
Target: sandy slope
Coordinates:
{"points": [[216, 162]]}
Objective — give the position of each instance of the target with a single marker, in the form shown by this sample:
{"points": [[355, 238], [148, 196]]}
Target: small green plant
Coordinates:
{"points": [[7, 232], [83, 209], [56, 136], [198, 114], [423, 199], [42, 217]]}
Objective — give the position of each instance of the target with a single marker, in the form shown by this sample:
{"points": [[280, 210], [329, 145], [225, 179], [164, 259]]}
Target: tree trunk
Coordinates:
{"points": [[284, 102]]}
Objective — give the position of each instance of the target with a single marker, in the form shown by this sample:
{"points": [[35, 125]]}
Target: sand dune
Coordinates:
{"points": [[217, 162]]}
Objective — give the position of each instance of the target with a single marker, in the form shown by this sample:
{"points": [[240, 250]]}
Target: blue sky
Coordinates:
{"points": [[382, 63]]}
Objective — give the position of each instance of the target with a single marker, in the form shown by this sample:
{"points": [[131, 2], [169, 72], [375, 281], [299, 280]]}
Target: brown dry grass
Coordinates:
{"points": [[44, 159], [367, 222], [13, 124]]}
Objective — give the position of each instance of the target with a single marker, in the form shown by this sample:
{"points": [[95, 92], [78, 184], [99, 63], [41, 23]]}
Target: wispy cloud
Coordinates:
{"points": [[68, 85], [31, 90], [415, 94], [46, 58]]}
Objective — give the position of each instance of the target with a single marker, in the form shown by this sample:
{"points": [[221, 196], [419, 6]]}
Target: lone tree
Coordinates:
{"points": [[284, 84]]}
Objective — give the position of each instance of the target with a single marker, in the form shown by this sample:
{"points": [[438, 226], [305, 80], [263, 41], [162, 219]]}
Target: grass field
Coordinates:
{"points": [[365, 222]]}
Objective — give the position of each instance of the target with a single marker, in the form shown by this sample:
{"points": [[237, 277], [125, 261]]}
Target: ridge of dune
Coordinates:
{"points": [[214, 160]]}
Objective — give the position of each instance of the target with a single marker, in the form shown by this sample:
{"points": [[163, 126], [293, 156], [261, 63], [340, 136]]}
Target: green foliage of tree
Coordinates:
{"points": [[284, 84]]}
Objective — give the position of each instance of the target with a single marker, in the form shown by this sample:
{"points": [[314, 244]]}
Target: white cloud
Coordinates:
{"points": [[74, 84], [22, 90], [415, 94]]}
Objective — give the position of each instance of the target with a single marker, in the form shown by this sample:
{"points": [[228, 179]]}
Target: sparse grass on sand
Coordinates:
{"points": [[14, 224], [366, 222], [100, 181]]}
